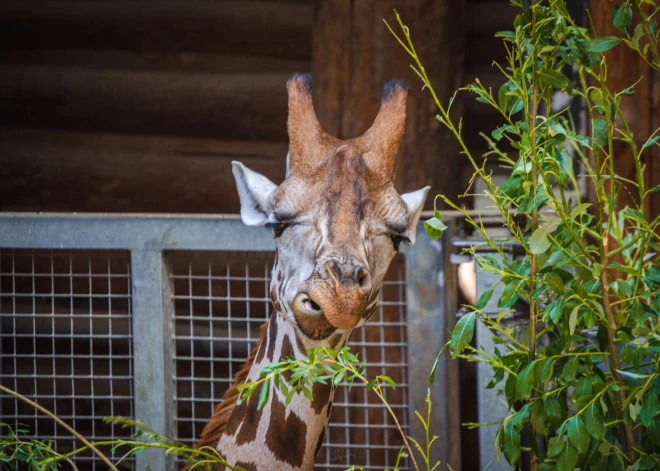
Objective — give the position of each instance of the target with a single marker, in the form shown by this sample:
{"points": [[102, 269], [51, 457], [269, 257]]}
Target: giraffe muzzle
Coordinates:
{"points": [[310, 318]]}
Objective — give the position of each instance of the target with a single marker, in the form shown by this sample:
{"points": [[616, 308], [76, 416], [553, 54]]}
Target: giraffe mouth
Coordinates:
{"points": [[310, 318], [303, 304]]}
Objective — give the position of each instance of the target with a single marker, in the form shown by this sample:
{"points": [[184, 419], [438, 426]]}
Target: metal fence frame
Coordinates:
{"points": [[430, 299]]}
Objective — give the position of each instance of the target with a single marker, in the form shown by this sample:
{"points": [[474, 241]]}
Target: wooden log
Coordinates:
{"points": [[154, 61], [484, 19], [55, 171], [234, 107], [354, 55], [624, 68], [281, 29]]}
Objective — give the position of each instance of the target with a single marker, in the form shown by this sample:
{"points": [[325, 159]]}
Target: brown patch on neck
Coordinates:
{"points": [[285, 354], [319, 443], [286, 437], [217, 424], [272, 335], [321, 395]]}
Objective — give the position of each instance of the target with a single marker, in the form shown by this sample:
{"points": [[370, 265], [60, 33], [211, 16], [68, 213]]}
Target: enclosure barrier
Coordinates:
{"points": [[163, 322]]}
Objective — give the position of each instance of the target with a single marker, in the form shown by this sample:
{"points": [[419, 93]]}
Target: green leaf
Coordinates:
{"points": [[578, 435], [567, 459], [263, 394], [652, 141], [594, 422], [572, 320], [510, 294], [599, 128], [524, 381], [602, 44], [463, 333], [539, 242], [649, 408], [388, 380], [435, 364], [623, 17], [555, 281], [582, 388], [484, 298], [434, 228], [571, 368], [506, 35], [553, 78], [537, 418], [555, 446], [545, 372], [510, 390], [552, 407], [646, 462], [508, 100], [579, 209], [510, 443]]}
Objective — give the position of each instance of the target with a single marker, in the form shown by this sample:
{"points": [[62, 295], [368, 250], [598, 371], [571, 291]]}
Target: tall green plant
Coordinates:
{"points": [[582, 400]]}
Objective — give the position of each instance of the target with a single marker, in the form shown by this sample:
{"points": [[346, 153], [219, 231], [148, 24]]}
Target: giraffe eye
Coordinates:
{"points": [[276, 228], [397, 240]]}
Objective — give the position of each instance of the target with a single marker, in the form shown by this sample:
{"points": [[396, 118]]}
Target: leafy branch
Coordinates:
{"points": [[590, 271]]}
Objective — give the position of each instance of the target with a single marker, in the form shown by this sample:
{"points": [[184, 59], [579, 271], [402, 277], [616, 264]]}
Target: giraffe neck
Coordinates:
{"points": [[279, 436]]}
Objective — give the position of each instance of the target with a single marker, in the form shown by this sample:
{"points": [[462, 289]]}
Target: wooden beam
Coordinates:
{"points": [[281, 29], [484, 19], [237, 107], [155, 61], [56, 171], [354, 55], [624, 68]]}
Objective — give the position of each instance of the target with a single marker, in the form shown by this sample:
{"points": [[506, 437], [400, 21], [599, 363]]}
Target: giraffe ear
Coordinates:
{"points": [[255, 192], [415, 203]]}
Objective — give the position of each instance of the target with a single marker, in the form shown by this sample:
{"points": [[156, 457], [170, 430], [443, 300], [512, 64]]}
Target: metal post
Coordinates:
{"points": [[153, 318], [431, 303], [491, 406]]}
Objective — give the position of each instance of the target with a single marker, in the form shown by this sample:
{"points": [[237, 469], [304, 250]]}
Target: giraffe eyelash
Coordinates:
{"points": [[397, 240], [276, 228]]}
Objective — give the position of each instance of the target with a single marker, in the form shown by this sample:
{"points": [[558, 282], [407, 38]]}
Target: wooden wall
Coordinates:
{"points": [[109, 105], [117, 106]]}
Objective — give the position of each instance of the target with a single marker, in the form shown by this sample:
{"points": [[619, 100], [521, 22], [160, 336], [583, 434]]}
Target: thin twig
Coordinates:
{"points": [[62, 423]]}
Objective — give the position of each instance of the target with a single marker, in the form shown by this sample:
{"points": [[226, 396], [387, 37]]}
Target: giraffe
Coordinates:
{"points": [[338, 222]]}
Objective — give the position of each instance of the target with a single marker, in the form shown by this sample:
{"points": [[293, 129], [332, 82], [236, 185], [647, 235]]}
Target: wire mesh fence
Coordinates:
{"points": [[86, 310], [221, 300], [66, 343]]}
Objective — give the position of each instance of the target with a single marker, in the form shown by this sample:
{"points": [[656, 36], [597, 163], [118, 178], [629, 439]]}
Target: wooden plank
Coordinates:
{"points": [[486, 18], [237, 107], [55, 171], [624, 68], [348, 88], [653, 157], [238, 27], [154, 61]]}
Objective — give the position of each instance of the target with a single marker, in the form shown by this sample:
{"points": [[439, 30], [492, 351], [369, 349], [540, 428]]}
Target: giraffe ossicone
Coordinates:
{"points": [[338, 222]]}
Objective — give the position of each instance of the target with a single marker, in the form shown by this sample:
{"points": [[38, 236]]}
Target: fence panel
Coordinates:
{"points": [[66, 342], [165, 322]]}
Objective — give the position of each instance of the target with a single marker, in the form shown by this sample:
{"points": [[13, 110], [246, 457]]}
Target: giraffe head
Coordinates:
{"points": [[337, 219]]}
